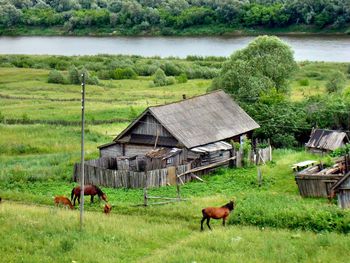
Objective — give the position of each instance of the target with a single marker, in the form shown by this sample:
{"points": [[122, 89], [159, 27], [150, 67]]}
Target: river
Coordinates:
{"points": [[312, 48]]}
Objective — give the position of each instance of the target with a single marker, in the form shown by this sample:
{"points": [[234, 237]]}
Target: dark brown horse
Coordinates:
{"points": [[217, 213], [88, 190], [63, 201]]}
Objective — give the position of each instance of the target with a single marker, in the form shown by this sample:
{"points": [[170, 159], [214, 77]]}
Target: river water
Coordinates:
{"points": [[313, 48]]}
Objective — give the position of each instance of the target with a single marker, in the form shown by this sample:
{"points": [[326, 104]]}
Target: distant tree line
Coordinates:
{"points": [[169, 15]]}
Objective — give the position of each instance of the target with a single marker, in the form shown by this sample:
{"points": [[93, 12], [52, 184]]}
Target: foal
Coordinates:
{"points": [[64, 201], [217, 213]]}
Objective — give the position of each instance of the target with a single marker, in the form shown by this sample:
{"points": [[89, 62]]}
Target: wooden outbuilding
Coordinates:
{"points": [[200, 126], [342, 190], [325, 141]]}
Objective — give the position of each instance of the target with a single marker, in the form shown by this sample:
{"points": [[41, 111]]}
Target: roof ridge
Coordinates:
{"points": [[194, 97]]}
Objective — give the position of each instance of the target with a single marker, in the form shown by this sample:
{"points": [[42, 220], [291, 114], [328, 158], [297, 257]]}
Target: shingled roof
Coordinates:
{"points": [[201, 120], [327, 139]]}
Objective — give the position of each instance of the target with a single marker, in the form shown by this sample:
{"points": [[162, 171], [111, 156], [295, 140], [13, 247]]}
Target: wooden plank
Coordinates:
{"points": [[206, 167]]}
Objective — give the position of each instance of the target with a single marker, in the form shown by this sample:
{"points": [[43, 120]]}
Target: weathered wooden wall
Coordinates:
{"points": [[113, 150], [148, 125], [126, 178], [344, 194], [315, 185]]}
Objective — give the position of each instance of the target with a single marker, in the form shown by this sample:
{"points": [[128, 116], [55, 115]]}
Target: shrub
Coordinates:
{"points": [[159, 78], [56, 77], [304, 82], [336, 82], [171, 69], [125, 73], [170, 80], [73, 75], [182, 78]]}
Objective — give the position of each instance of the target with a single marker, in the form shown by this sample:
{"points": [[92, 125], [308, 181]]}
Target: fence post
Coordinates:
{"points": [[145, 196]]}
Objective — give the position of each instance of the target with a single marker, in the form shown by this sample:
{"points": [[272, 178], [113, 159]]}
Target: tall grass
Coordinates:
{"points": [[42, 234]]}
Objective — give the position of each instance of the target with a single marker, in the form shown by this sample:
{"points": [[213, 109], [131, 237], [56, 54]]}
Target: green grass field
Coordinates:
{"points": [[271, 223]]}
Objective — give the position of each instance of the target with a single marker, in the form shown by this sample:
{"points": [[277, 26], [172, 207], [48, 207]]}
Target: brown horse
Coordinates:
{"points": [[107, 209], [88, 190], [64, 201], [217, 213]]}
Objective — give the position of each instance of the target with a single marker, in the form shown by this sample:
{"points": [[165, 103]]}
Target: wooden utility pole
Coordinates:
{"points": [[82, 150]]}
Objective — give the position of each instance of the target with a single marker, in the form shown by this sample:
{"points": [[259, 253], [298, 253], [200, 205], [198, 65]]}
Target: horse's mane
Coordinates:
{"points": [[229, 206], [98, 190]]}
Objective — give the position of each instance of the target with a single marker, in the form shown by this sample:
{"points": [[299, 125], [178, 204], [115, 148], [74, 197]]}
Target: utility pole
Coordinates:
{"points": [[82, 150]]}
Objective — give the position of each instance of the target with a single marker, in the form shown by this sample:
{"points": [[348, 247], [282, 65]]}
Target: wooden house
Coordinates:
{"points": [[324, 141], [200, 127]]}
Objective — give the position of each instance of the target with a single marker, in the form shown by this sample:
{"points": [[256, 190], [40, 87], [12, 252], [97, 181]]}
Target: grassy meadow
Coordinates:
{"points": [[271, 223]]}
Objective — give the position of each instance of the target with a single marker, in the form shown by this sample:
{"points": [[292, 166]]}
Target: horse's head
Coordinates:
{"points": [[231, 205], [107, 208]]}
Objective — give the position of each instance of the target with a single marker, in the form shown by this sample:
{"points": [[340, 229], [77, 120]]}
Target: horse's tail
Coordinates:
{"points": [[72, 195]]}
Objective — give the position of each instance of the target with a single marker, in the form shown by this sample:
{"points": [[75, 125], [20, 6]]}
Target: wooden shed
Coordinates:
{"points": [[199, 126], [342, 189], [317, 181], [324, 141]]}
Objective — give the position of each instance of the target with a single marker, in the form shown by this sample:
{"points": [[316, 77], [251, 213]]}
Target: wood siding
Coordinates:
{"points": [[344, 194], [111, 151], [148, 125], [134, 149], [316, 186]]}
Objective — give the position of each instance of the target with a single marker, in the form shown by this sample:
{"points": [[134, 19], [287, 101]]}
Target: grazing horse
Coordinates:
{"points": [[64, 201], [88, 190], [217, 213], [107, 209]]}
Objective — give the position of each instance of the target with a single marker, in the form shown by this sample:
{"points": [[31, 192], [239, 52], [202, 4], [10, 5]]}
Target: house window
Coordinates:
{"points": [[169, 160], [221, 154]]}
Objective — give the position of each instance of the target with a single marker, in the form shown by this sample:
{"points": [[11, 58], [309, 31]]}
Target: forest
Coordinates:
{"points": [[171, 17]]}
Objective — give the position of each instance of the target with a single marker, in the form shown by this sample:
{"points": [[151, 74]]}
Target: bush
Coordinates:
{"points": [[56, 77], [73, 75], [182, 78], [125, 73], [170, 80], [304, 82], [159, 78], [336, 82]]}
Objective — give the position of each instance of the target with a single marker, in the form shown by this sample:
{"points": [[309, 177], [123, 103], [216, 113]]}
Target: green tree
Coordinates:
{"points": [[265, 64]]}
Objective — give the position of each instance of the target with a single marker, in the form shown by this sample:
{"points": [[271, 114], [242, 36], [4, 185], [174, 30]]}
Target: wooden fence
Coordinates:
{"points": [[129, 179]]}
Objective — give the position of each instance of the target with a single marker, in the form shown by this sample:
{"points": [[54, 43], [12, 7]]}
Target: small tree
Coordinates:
{"points": [[336, 82], [265, 64], [159, 78]]}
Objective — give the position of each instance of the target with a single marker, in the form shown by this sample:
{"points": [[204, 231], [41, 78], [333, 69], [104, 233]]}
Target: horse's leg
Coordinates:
{"points": [[202, 223], [74, 198], [92, 198], [224, 221], [208, 219]]}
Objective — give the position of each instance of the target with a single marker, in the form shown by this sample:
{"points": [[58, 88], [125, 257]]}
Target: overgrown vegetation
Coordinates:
{"points": [[170, 17]]}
